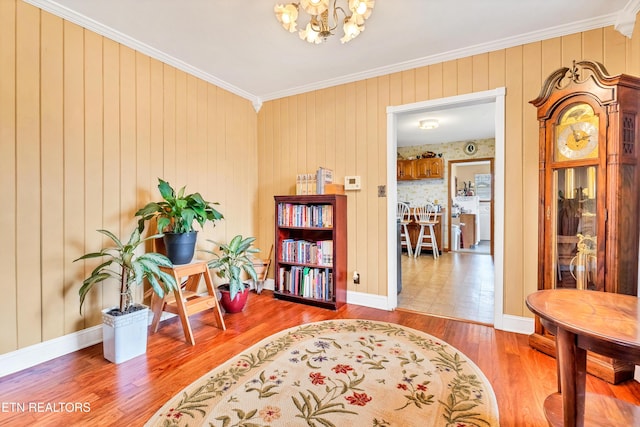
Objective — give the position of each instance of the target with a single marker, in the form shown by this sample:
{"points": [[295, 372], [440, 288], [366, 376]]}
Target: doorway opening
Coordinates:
{"points": [[470, 209], [493, 96]]}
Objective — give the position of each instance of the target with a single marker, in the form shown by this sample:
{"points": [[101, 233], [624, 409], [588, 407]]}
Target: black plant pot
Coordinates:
{"points": [[180, 246]]}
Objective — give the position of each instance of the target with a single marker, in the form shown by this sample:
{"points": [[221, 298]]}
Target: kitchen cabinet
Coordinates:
{"points": [[431, 168], [405, 170]]}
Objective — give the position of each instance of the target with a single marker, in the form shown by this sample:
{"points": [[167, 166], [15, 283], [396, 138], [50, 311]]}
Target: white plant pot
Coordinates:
{"points": [[124, 337]]}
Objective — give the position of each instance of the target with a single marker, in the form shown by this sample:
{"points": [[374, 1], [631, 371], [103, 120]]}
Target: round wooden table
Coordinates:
{"points": [[601, 322]]}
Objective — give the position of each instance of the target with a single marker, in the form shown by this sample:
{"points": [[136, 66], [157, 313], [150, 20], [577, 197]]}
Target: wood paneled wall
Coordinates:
{"points": [[344, 128], [86, 127]]}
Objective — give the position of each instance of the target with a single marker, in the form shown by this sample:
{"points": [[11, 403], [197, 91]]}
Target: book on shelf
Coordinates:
{"points": [[324, 252], [323, 176], [306, 282], [306, 183], [302, 251], [300, 182], [295, 215], [313, 183]]}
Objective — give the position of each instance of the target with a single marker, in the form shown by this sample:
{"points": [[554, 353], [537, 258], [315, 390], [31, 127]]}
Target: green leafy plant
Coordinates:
{"points": [[233, 259], [133, 269], [177, 212]]}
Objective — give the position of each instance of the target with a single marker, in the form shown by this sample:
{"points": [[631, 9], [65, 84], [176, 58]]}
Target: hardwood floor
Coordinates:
{"points": [[129, 393], [458, 285]]}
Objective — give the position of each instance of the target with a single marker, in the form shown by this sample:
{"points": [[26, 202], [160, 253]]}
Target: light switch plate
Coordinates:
{"points": [[352, 183]]}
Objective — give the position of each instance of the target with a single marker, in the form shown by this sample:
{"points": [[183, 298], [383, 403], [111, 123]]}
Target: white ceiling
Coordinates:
{"points": [[241, 47], [455, 124]]}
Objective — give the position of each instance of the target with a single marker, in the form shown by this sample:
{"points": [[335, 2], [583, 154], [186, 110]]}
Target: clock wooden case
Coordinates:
{"points": [[588, 224]]}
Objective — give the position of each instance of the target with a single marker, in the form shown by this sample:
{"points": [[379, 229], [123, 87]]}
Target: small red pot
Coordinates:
{"points": [[238, 303]]}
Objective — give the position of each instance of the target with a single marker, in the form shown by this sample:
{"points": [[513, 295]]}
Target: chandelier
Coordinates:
{"points": [[324, 19]]}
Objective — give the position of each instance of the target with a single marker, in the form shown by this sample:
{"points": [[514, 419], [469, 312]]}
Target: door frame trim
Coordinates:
{"points": [[498, 97]]}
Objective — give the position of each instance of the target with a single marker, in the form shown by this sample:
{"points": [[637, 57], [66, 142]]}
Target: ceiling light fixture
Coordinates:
{"points": [[324, 19], [428, 124]]}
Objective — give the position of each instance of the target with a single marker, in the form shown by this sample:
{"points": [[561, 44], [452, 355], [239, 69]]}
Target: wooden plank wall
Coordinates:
{"points": [[86, 127], [344, 128]]}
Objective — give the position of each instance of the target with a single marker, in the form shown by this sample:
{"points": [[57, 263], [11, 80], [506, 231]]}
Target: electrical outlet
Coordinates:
{"points": [[382, 191], [356, 278]]}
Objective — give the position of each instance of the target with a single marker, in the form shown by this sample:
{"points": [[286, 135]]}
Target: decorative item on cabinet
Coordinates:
{"points": [[588, 137]]}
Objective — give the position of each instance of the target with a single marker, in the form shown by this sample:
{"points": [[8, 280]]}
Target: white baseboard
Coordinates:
{"points": [[48, 350], [517, 324], [368, 300], [38, 353]]}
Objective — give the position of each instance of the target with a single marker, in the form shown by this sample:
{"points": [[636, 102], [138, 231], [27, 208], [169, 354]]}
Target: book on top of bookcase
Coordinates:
{"points": [[311, 249], [324, 176]]}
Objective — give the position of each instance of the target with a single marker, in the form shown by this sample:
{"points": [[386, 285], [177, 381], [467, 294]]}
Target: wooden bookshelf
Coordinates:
{"points": [[311, 249]]}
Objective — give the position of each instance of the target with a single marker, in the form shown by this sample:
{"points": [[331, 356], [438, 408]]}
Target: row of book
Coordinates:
{"points": [[306, 252], [313, 183], [296, 215], [306, 282]]}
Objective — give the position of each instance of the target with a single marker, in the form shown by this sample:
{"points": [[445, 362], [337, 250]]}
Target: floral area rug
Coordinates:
{"points": [[339, 373]]}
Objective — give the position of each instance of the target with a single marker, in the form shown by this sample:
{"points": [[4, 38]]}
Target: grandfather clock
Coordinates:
{"points": [[589, 191]]}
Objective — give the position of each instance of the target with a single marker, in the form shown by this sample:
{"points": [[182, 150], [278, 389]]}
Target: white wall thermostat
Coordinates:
{"points": [[352, 183]]}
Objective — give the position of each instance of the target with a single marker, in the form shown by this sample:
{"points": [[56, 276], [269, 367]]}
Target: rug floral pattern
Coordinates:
{"points": [[339, 373]]}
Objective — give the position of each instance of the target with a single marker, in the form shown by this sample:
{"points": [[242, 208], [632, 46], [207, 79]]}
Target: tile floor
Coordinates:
{"points": [[457, 284], [484, 247]]}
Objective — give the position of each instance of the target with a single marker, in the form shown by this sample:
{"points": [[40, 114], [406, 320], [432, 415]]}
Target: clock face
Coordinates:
{"points": [[577, 134], [470, 148]]}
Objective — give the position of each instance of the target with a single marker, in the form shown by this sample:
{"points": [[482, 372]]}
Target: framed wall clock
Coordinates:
{"points": [[470, 148]]}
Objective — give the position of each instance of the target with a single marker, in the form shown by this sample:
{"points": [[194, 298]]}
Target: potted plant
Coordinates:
{"points": [[233, 259], [175, 216], [124, 328]]}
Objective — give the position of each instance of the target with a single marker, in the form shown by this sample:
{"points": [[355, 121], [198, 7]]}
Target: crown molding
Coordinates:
{"points": [[626, 18], [534, 36], [622, 21], [88, 23]]}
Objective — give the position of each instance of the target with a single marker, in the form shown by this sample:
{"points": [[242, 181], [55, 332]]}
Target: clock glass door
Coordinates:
{"points": [[575, 235]]}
